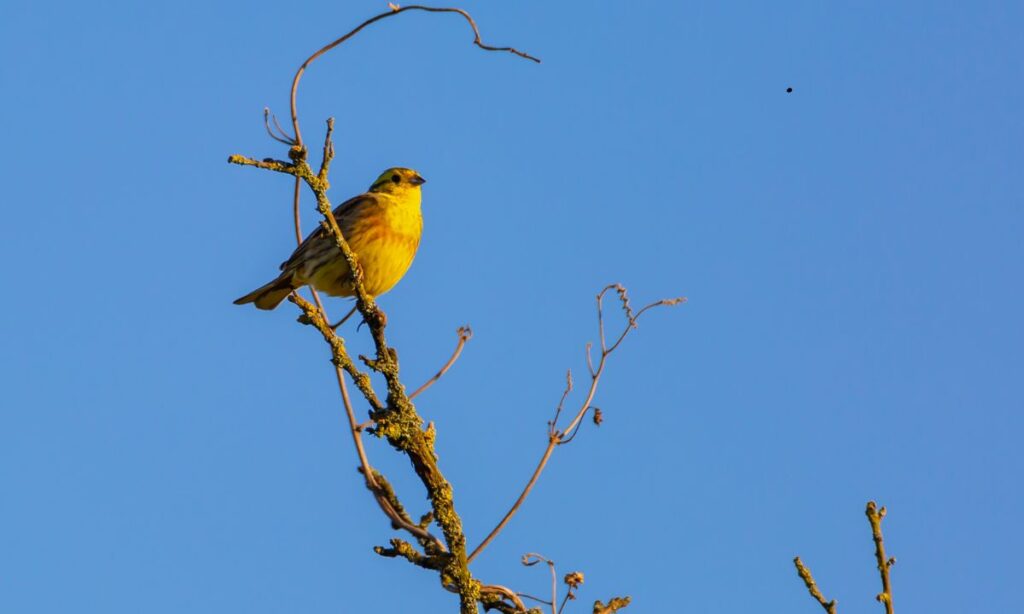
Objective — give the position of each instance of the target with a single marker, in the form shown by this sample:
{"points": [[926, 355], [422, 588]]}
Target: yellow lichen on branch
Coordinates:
{"points": [[875, 516], [812, 586]]}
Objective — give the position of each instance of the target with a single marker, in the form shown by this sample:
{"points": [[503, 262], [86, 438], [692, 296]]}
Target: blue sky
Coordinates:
{"points": [[851, 252]]}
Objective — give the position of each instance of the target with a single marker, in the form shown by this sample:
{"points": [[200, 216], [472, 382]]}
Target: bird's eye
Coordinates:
{"points": [[396, 179]]}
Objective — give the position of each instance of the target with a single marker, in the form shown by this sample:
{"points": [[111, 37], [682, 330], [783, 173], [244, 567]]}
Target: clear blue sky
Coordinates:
{"points": [[852, 253]]}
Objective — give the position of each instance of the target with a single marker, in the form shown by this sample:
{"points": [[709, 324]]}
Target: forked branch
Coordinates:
{"points": [[875, 516], [557, 436]]}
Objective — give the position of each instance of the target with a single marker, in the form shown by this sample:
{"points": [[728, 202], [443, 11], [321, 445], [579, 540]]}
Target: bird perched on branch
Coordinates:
{"points": [[383, 228]]}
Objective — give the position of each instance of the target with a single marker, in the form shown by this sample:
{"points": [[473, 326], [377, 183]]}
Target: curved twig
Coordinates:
{"points": [[534, 598], [414, 7], [532, 558], [282, 136], [465, 334], [506, 592], [293, 95]]}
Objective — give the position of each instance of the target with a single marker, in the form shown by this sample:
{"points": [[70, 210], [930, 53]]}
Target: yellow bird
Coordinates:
{"points": [[383, 228]]}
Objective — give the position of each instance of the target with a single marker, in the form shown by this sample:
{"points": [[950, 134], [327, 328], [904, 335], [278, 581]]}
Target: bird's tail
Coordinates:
{"points": [[270, 295]]}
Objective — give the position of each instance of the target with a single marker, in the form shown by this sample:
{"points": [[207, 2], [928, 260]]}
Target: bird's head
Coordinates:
{"points": [[398, 181]]}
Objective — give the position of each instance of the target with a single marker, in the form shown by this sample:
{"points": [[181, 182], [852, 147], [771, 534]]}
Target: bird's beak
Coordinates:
{"points": [[417, 180]]}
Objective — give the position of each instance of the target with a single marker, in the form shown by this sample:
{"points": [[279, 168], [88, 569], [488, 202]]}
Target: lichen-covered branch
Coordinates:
{"points": [[614, 605], [339, 354], [403, 549], [875, 516], [492, 596], [812, 586]]}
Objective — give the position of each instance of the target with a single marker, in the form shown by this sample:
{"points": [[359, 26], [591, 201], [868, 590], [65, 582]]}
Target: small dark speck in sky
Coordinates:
{"points": [[789, 90]]}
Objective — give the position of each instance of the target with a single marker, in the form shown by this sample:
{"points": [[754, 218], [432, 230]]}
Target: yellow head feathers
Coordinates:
{"points": [[397, 180]]}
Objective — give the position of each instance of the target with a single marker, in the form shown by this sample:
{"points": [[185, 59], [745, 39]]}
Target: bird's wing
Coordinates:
{"points": [[341, 213]]}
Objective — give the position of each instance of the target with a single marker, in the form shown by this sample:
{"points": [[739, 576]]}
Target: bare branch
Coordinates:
{"points": [[302, 69], [875, 516], [558, 437], [561, 402], [281, 136], [465, 333], [812, 587]]}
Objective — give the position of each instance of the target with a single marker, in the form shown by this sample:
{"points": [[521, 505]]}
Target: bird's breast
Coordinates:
{"points": [[385, 247]]}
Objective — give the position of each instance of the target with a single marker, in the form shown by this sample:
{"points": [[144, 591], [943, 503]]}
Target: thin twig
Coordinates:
{"points": [[532, 558], [302, 69], [465, 333], [283, 137], [565, 600], [533, 598], [339, 354], [558, 436], [519, 502], [875, 516], [572, 435], [590, 359], [812, 586], [343, 362], [552, 425]]}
